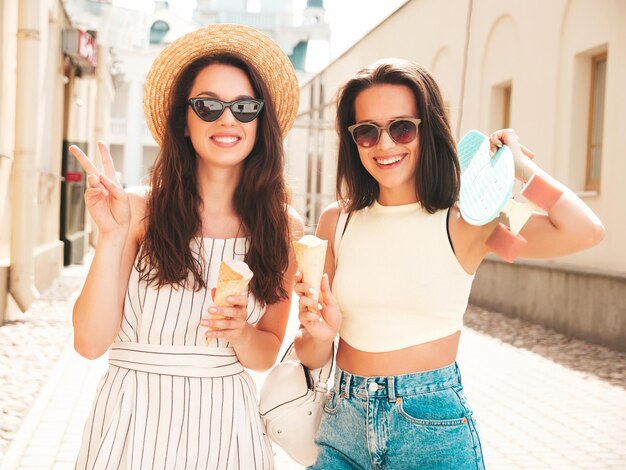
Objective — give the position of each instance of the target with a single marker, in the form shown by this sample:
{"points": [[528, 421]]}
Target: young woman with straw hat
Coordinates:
{"points": [[218, 101]]}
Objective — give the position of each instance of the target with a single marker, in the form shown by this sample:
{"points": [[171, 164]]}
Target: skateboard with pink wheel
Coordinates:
{"points": [[487, 194]]}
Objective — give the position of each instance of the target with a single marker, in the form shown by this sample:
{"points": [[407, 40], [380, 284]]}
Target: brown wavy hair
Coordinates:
{"points": [[438, 173], [173, 204]]}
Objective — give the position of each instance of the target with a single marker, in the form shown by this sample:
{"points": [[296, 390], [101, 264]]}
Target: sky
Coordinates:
{"points": [[349, 20]]}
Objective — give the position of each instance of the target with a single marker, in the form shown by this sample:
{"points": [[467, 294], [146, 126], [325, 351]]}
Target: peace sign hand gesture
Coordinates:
{"points": [[106, 201]]}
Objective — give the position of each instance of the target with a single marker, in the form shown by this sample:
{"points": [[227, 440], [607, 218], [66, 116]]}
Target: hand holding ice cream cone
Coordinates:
{"points": [[233, 279], [321, 319]]}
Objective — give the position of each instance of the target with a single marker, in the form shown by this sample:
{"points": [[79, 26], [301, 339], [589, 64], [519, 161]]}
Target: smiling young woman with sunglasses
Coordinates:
{"points": [[401, 262], [218, 101]]}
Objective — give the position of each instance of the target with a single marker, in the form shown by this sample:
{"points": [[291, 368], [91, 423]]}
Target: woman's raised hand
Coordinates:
{"points": [[521, 155], [106, 201], [321, 319]]}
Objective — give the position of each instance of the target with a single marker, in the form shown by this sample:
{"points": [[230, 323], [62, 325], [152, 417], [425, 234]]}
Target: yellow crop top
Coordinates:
{"points": [[398, 282]]}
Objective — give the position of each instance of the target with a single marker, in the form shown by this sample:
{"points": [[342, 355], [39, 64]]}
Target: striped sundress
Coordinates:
{"points": [[168, 401]]}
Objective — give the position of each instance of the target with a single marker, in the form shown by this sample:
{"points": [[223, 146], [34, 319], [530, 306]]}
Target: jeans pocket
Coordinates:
{"points": [[437, 429], [333, 401], [439, 408]]}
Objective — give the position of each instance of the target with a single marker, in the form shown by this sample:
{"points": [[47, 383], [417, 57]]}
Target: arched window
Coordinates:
{"points": [[158, 30]]}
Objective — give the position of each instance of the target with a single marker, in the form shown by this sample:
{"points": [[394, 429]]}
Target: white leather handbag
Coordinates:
{"points": [[291, 404]]}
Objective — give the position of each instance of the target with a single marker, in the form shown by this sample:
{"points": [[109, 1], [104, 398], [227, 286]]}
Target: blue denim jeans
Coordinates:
{"points": [[413, 421]]}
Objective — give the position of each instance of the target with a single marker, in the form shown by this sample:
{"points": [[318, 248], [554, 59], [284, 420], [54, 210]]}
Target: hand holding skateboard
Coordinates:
{"points": [[487, 193]]}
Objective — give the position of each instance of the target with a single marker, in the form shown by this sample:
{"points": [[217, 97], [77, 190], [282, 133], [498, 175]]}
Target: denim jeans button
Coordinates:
{"points": [[373, 387]]}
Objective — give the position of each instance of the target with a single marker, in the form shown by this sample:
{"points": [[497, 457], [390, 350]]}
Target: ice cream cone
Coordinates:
{"points": [[233, 279], [310, 254]]}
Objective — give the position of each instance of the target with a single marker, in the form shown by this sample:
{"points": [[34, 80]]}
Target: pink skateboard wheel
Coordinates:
{"points": [[541, 193], [503, 243]]}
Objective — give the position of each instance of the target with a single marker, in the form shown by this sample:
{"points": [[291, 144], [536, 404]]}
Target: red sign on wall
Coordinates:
{"points": [[81, 47], [73, 177]]}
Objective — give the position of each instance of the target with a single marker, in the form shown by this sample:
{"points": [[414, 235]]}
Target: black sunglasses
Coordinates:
{"points": [[210, 109], [401, 131]]}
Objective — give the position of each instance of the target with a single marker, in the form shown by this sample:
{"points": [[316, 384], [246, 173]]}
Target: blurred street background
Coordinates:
{"points": [[547, 336]]}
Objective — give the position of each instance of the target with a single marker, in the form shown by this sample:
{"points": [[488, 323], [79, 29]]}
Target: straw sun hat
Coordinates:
{"points": [[254, 47]]}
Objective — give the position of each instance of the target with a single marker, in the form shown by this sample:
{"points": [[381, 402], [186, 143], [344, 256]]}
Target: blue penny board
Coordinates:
{"points": [[486, 182]]}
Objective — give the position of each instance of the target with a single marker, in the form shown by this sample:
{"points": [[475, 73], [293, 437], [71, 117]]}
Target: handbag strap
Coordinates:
{"points": [[317, 379], [321, 376]]}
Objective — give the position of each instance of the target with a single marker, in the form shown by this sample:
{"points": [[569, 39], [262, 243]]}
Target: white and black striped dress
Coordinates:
{"points": [[167, 400]]}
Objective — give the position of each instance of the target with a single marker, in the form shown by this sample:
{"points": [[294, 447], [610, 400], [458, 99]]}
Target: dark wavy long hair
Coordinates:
{"points": [[261, 198], [438, 173]]}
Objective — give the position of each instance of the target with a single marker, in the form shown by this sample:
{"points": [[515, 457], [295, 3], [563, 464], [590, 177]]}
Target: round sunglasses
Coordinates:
{"points": [[401, 131], [210, 109]]}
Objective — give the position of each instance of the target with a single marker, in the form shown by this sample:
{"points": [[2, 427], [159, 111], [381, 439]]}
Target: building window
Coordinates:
{"points": [[596, 122], [298, 56], [501, 105], [158, 30], [506, 106]]}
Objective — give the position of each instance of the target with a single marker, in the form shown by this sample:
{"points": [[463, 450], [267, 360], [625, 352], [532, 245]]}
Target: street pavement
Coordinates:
{"points": [[533, 412]]}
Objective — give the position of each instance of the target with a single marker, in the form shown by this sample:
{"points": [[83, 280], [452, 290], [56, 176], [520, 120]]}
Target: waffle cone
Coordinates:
{"points": [[310, 254], [233, 279]]}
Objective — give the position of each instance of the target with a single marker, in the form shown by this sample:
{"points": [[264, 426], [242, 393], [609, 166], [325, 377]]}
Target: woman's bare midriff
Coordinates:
{"points": [[421, 357]]}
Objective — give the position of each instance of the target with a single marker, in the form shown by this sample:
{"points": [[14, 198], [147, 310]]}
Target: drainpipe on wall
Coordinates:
{"points": [[8, 23], [25, 177], [6, 162]]}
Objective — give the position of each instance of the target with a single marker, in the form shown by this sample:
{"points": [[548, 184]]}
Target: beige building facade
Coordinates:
{"points": [[554, 71], [51, 95]]}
